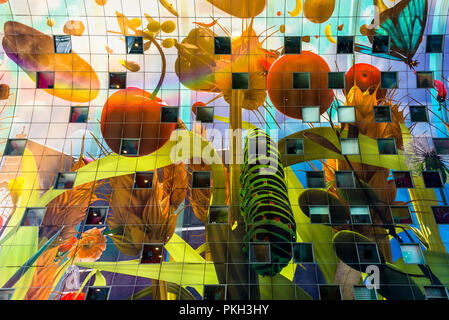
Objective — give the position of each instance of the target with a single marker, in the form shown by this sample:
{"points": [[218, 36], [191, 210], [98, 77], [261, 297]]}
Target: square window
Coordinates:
{"points": [[388, 80], [129, 147], [346, 114], [363, 293], [349, 146], [6, 293], [336, 80], [134, 45], [205, 114], [411, 253], [240, 80], [97, 293], [96, 215], [344, 179], [302, 253], [315, 179], [218, 214], [434, 43], [201, 179], [435, 293], [368, 253], [360, 215], [424, 79], [401, 215], [403, 179], [214, 292], [117, 80], [152, 253], [441, 214], [45, 80], [292, 45], [381, 44], [33, 217], [65, 180], [143, 180], [319, 214], [301, 80], [330, 292], [345, 45], [15, 147], [310, 114], [294, 146], [259, 253], [62, 44], [432, 179], [222, 45], [441, 145], [387, 146], [169, 114], [382, 113], [79, 114], [419, 114]]}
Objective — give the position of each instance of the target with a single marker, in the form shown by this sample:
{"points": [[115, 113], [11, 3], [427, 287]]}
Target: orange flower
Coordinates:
{"points": [[90, 246]]}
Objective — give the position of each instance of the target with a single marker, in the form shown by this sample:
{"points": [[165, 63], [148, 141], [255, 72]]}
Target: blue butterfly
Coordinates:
{"points": [[404, 24]]}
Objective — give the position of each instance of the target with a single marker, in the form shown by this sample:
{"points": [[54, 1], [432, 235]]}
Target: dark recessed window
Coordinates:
{"points": [[45, 80], [330, 292], [388, 80], [6, 293], [435, 293], [403, 179], [294, 146], [292, 45], [214, 292], [368, 253], [97, 293], [15, 147], [240, 80], [302, 253], [319, 214], [419, 114], [33, 217], [96, 215], [441, 214], [169, 114], [345, 44], [381, 44], [79, 114], [432, 179], [441, 145], [143, 180], [218, 214], [362, 292], [346, 114], [401, 215], [201, 179], [259, 253], [222, 45], [382, 113], [117, 80], [205, 114], [424, 79], [315, 179], [387, 146], [434, 43], [310, 114], [301, 80], [65, 180], [134, 45], [62, 44], [344, 179], [360, 215], [411, 253], [152, 253], [129, 147], [336, 80]]}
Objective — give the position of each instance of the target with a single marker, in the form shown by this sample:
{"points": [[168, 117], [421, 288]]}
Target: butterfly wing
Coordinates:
{"points": [[368, 50]]}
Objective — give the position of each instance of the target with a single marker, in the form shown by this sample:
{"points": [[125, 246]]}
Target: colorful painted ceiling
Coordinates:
{"points": [[224, 149]]}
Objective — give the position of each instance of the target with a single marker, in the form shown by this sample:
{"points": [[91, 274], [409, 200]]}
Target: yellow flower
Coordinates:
{"points": [[16, 187]]}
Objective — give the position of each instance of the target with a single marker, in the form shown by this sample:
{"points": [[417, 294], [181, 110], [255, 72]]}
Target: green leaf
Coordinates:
{"points": [[177, 290], [280, 288]]}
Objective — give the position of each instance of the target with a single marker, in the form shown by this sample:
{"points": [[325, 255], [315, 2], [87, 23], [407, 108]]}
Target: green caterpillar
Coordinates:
{"points": [[264, 203]]}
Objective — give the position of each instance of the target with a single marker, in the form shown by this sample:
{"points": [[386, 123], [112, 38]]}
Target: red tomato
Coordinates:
{"points": [[367, 78], [197, 104]]}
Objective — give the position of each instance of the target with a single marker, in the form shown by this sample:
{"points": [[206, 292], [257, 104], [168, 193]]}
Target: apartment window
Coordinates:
{"points": [[315, 179], [344, 179], [292, 45], [432, 179], [152, 253], [45, 80], [411, 253], [79, 114], [96, 215], [368, 253], [330, 292], [336, 80], [419, 114], [117, 80], [441, 214], [134, 45], [15, 147], [240, 80], [401, 215], [33, 217], [435, 293], [294, 146], [143, 180], [302, 253], [129, 147], [97, 293], [381, 44], [65, 180], [424, 79], [201, 179], [259, 253], [319, 214], [434, 43], [388, 80], [214, 292], [382, 113], [349, 146], [169, 114], [218, 214], [345, 45], [62, 44], [361, 292], [346, 114], [387, 146], [301, 80], [310, 114], [6, 293], [441, 145], [205, 114], [222, 45], [403, 179], [360, 215]]}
